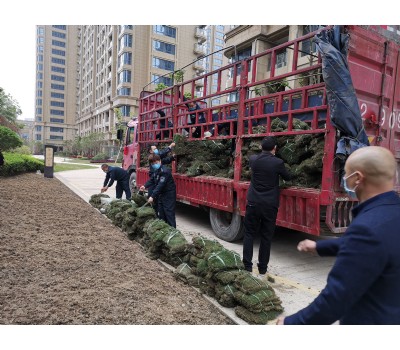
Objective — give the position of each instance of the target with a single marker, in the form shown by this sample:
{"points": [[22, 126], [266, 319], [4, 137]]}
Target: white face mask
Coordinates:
{"points": [[350, 192]]}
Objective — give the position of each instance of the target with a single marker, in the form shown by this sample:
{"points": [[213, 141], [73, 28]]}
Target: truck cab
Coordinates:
{"points": [[129, 143]]}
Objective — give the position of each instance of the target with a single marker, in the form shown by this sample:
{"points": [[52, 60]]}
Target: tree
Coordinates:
{"points": [[9, 108], [9, 139]]}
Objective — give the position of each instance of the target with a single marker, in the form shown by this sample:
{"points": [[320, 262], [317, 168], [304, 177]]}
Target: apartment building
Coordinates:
{"points": [[55, 109], [89, 78]]}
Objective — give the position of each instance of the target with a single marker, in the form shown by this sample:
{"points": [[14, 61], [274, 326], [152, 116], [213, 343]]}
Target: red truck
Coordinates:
{"points": [[374, 65]]}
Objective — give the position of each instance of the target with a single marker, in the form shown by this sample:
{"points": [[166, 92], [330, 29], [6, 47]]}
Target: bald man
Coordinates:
{"points": [[363, 286]]}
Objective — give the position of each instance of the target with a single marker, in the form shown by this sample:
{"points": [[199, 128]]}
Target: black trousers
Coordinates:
{"points": [[121, 187], [258, 219], [166, 207]]}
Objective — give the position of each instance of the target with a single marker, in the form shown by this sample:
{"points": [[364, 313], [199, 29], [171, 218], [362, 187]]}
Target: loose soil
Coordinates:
{"points": [[62, 262]]}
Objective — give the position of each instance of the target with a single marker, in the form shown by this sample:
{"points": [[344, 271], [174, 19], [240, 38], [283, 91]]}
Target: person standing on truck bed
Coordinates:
{"points": [[193, 107], [121, 176], [165, 133], [363, 286], [164, 190], [262, 203]]}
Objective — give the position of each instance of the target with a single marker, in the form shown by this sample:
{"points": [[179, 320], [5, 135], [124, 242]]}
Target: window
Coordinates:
{"points": [[39, 93], [219, 34], [39, 110], [57, 95], [125, 58], [156, 79], [40, 40], [40, 48], [60, 27], [308, 46], [56, 137], [58, 60], [39, 75], [219, 41], [217, 61], [57, 77], [165, 30], [57, 69], [39, 84], [40, 31], [125, 76], [39, 101], [56, 129], [125, 41], [221, 28], [163, 64], [281, 58], [39, 119], [38, 137], [58, 35], [56, 120], [57, 104], [125, 110], [163, 47], [57, 87], [38, 128], [56, 112], [58, 43], [124, 91], [217, 47], [39, 66], [40, 58], [241, 55], [58, 52]]}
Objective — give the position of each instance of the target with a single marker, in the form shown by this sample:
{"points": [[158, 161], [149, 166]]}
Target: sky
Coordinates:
{"points": [[17, 67]]}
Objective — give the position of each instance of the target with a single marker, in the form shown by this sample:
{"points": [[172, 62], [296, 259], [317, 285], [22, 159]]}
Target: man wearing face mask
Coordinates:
{"points": [[164, 190], [363, 286]]}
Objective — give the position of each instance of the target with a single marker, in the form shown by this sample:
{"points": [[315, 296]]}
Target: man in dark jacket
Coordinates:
{"points": [[262, 203], [166, 158], [363, 286], [164, 190], [194, 107], [119, 175]]}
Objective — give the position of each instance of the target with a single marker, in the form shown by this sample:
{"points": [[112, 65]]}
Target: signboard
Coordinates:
{"points": [[49, 161]]}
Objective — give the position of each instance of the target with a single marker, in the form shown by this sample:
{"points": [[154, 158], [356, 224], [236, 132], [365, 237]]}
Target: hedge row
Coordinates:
{"points": [[20, 163]]}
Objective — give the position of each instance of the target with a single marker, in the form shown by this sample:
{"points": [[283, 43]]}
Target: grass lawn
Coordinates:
{"points": [[65, 166], [87, 161]]}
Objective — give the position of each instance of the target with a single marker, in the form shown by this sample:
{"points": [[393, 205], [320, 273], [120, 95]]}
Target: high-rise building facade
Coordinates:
{"points": [[55, 108], [117, 63], [90, 78]]}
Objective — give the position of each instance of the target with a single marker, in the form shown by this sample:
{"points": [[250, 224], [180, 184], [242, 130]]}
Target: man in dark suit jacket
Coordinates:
{"points": [[363, 286], [262, 203]]}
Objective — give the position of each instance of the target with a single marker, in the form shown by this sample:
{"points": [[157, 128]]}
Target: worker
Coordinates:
{"points": [[262, 204], [193, 107], [363, 286], [165, 159], [121, 176], [164, 190], [165, 133]]}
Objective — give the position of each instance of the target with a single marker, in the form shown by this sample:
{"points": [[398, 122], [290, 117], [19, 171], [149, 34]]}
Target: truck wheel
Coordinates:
{"points": [[227, 226], [132, 181]]}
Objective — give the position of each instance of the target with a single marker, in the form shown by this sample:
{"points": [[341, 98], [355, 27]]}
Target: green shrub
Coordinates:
{"points": [[20, 163], [100, 156], [21, 150], [9, 139]]}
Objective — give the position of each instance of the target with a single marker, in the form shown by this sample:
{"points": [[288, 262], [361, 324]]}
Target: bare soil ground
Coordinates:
{"points": [[62, 262]]}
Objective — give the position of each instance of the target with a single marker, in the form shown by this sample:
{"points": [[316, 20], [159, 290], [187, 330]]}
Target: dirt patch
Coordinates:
{"points": [[62, 262]]}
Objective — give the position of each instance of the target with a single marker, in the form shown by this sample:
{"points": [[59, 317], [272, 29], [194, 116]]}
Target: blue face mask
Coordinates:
{"points": [[156, 151], [156, 166], [350, 192]]}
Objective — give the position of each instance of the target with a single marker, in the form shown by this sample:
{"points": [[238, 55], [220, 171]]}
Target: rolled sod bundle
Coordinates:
{"points": [[260, 318], [95, 199], [224, 260], [224, 294]]}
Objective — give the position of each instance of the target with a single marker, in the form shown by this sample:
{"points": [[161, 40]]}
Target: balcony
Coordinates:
{"points": [[199, 65], [200, 34], [199, 49], [198, 82]]}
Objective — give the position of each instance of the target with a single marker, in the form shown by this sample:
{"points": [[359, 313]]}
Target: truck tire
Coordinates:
{"points": [[227, 226], [132, 181]]}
